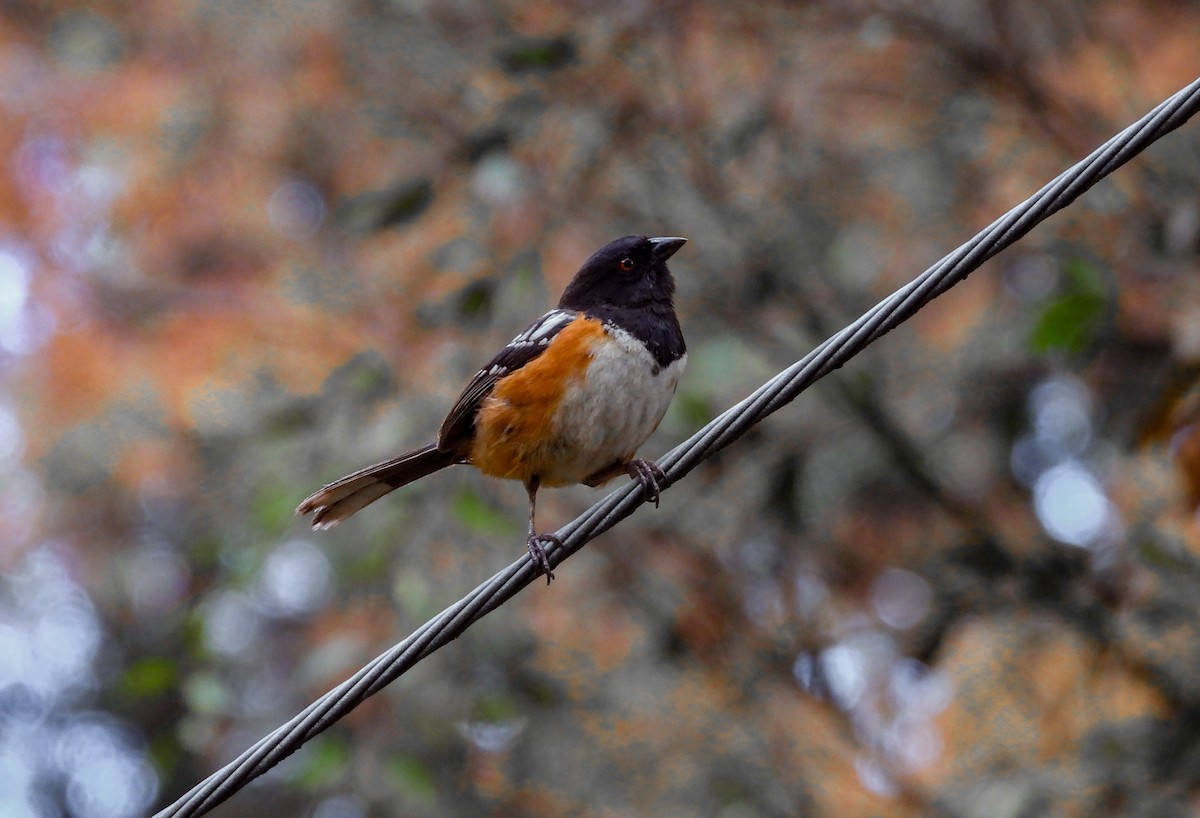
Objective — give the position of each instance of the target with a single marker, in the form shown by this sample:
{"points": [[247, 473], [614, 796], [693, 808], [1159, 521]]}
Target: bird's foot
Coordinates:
{"points": [[651, 477], [537, 550]]}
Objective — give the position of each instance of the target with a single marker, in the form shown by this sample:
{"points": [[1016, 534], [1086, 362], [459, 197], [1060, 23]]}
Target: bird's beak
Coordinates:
{"points": [[666, 246]]}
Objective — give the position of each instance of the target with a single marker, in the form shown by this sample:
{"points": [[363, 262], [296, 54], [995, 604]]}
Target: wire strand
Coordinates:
{"points": [[723, 430]]}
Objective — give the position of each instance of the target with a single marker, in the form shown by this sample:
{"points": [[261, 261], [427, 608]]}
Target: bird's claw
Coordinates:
{"points": [[650, 476], [538, 552]]}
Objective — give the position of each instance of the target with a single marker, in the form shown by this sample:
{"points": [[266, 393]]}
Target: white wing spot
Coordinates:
{"points": [[550, 321], [542, 330]]}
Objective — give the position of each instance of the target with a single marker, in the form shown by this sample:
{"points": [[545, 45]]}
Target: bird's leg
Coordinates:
{"points": [[535, 542], [651, 477]]}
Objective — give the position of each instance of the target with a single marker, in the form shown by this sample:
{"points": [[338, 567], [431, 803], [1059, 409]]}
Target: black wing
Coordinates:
{"points": [[459, 424]]}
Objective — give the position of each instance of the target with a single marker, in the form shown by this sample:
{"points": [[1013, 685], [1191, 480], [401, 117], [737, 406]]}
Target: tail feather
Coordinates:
{"points": [[341, 498]]}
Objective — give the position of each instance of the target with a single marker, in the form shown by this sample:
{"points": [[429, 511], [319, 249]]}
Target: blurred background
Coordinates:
{"points": [[247, 247]]}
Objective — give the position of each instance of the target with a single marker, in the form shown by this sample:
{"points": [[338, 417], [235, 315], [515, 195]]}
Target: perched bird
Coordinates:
{"points": [[569, 400]]}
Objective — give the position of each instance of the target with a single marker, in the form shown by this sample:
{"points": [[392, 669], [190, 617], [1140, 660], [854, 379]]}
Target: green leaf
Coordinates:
{"points": [[493, 709], [274, 509], [324, 760], [150, 677], [476, 300], [411, 592], [413, 778], [693, 409], [1071, 320], [1166, 560], [380, 209], [538, 54], [368, 566], [165, 753], [192, 634], [473, 512], [206, 694]]}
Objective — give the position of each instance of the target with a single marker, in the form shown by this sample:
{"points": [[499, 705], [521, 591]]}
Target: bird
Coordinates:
{"points": [[569, 400]]}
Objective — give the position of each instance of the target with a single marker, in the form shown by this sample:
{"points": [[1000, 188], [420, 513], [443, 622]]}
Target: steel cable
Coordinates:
{"points": [[771, 396]]}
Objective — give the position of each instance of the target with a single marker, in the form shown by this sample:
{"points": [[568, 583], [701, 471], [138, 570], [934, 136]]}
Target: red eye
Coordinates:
{"points": [[626, 264]]}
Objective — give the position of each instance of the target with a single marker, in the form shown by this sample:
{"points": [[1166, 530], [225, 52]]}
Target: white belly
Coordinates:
{"points": [[604, 418]]}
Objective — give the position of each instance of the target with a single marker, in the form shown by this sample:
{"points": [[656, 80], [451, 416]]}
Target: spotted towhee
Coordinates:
{"points": [[569, 400]]}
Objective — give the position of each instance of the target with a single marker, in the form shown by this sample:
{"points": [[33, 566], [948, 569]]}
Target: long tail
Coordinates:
{"points": [[341, 498]]}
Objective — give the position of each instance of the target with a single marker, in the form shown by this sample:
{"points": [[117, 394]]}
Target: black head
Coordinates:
{"points": [[628, 272]]}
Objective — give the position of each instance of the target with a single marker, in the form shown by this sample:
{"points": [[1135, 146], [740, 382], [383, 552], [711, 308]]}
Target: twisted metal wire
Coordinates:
{"points": [[723, 430]]}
